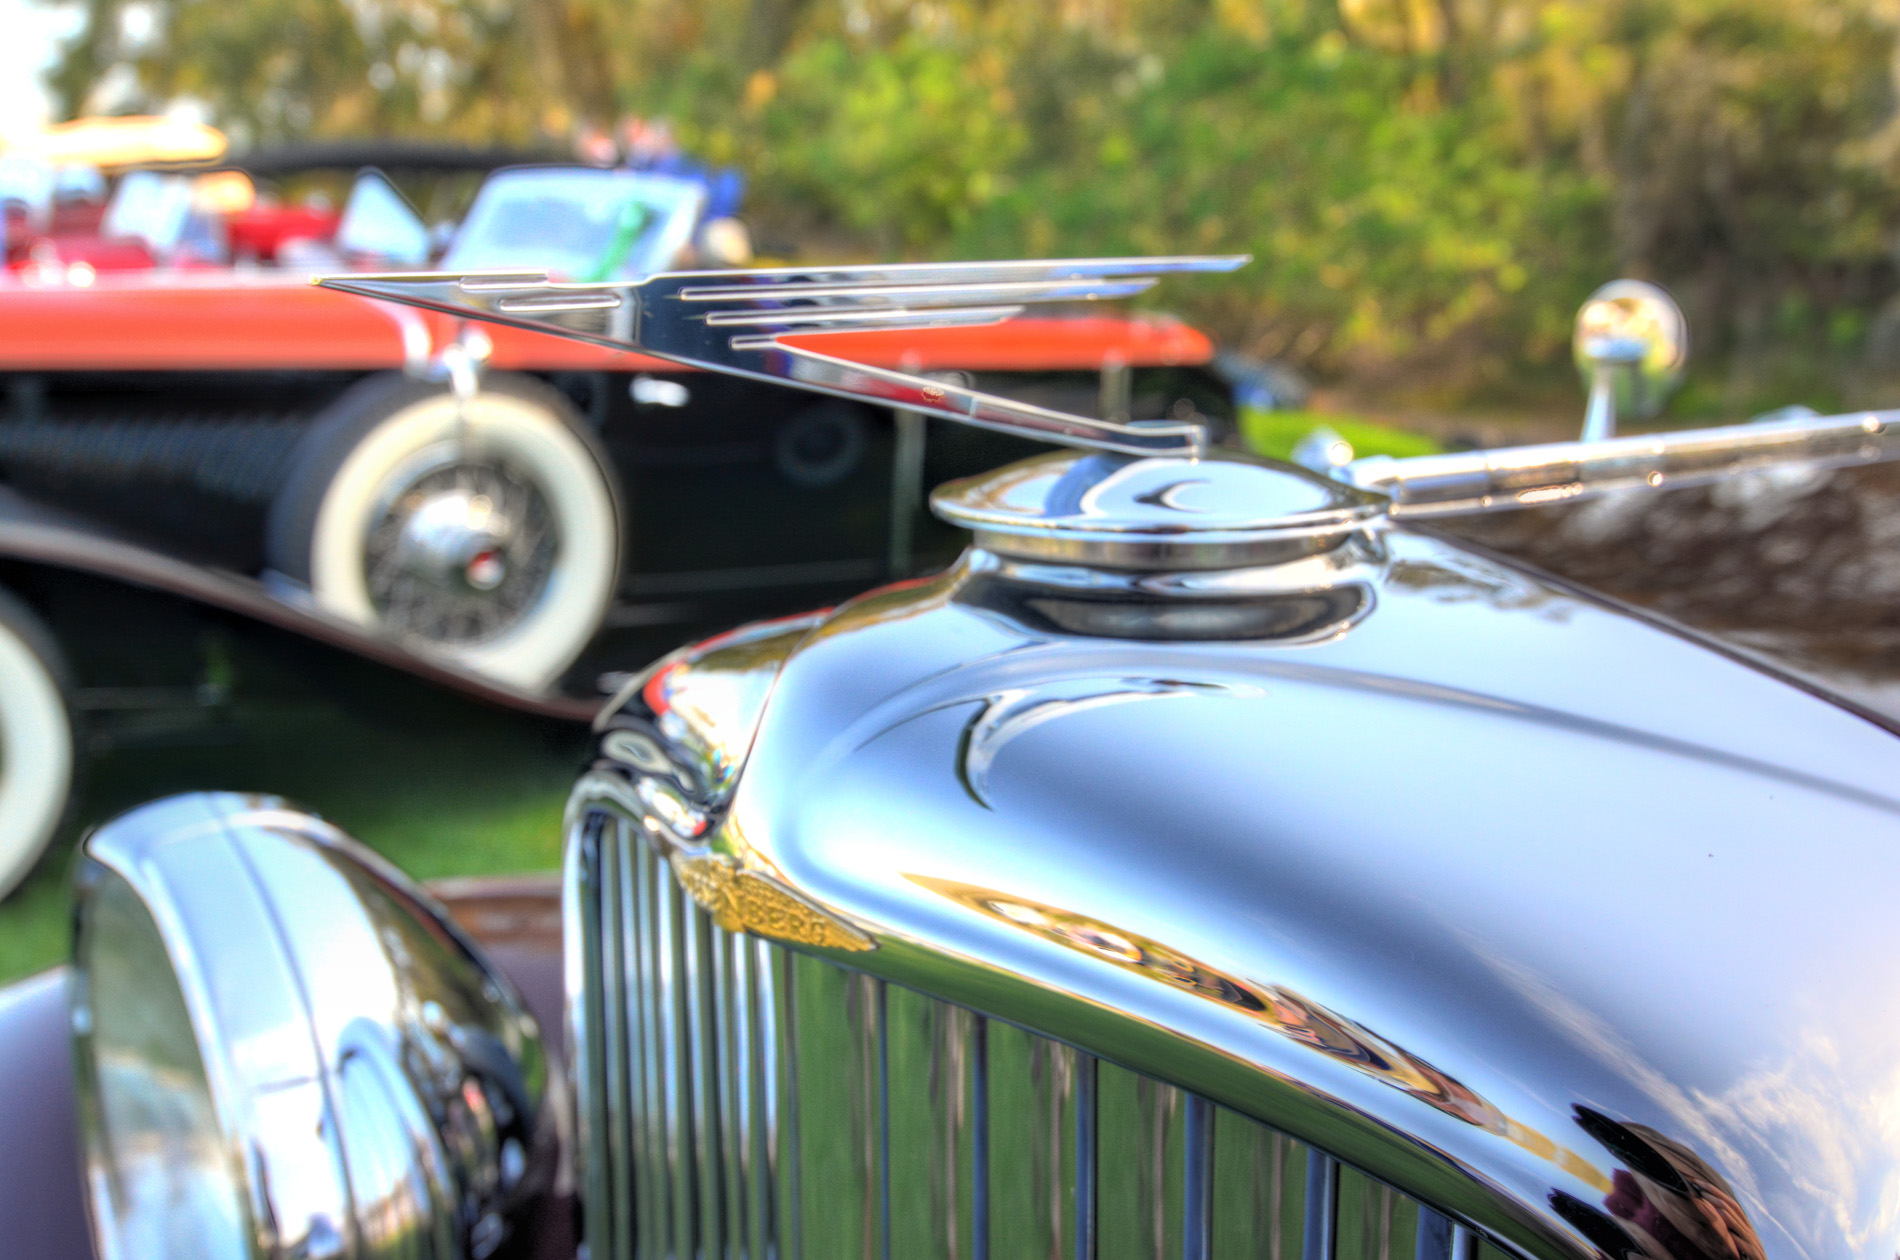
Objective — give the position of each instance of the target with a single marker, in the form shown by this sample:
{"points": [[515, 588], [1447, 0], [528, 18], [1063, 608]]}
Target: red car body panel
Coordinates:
{"points": [[263, 229], [215, 321]]}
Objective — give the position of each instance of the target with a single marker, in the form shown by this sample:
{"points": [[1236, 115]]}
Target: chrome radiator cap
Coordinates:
{"points": [[1221, 510]]}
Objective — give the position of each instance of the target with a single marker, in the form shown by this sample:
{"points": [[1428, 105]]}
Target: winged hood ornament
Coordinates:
{"points": [[759, 324], [738, 322]]}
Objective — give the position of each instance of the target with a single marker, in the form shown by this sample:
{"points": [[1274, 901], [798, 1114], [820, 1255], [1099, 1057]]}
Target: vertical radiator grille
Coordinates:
{"points": [[741, 1100]]}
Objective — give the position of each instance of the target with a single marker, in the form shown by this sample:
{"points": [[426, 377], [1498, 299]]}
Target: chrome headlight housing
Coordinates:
{"points": [[283, 1048]]}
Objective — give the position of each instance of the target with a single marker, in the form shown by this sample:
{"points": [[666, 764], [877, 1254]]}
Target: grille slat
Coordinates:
{"points": [[734, 1044], [589, 1035], [1086, 1069], [790, 1182], [701, 1051], [758, 1067], [743, 1101], [1197, 1178], [670, 984], [980, 1140], [648, 1175], [615, 934], [1322, 1208], [1031, 1121]]}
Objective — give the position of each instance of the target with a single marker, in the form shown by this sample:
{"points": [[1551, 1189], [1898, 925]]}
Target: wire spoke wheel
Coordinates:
{"points": [[461, 555], [483, 532]]}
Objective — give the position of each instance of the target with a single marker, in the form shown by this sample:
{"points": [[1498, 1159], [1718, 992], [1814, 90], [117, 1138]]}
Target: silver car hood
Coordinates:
{"points": [[1555, 918]]}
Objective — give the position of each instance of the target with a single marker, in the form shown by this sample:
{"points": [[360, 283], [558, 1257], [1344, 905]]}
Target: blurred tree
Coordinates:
{"points": [[1430, 185]]}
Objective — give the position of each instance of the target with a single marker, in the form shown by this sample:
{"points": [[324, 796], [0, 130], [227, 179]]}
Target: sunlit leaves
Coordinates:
{"points": [[1429, 185]]}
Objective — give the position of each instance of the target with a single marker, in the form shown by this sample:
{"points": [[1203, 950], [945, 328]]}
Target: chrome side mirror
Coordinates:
{"points": [[1630, 344], [284, 1049]]}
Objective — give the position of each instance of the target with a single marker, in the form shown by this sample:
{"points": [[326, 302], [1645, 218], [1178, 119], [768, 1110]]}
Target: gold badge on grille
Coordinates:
{"points": [[744, 900]]}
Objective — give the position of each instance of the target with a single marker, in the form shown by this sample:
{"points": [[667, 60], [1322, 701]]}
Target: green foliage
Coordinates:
{"points": [[1276, 433], [905, 148], [1429, 186], [479, 793]]}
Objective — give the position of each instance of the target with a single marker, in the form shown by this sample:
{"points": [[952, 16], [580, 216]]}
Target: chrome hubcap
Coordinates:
{"points": [[462, 554]]}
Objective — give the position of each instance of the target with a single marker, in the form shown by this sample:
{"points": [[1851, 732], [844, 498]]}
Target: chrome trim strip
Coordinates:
{"points": [[636, 889], [669, 939], [734, 1051], [1434, 1240], [882, 1016], [1465, 482]]}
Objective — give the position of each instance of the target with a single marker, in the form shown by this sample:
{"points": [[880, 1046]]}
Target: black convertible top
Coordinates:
{"points": [[394, 154]]}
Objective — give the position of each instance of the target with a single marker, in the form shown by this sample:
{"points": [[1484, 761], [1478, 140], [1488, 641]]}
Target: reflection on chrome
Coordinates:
{"points": [[671, 747], [1011, 714], [704, 702], [167, 1189], [162, 1178], [1279, 1008], [1274, 1006], [284, 1049], [1667, 1202]]}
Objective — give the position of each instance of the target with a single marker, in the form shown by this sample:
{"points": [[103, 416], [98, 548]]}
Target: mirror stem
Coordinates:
{"points": [[1599, 418]]}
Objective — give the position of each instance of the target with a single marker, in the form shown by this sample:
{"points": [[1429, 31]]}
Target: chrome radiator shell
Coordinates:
{"points": [[740, 1098]]}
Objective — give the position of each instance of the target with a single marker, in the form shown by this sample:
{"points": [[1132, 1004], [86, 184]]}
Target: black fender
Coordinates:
{"points": [[36, 534]]}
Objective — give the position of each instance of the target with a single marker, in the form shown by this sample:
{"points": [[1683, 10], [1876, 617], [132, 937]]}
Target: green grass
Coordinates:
{"points": [[452, 790], [1276, 433]]}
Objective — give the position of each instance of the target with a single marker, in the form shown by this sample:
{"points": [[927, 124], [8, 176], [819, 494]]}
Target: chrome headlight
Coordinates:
{"points": [[283, 1048]]}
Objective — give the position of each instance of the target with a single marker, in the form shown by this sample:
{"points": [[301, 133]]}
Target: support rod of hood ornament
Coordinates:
{"points": [[736, 322], [1467, 482]]}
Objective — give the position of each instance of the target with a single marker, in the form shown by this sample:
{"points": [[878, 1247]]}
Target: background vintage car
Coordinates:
{"points": [[225, 432]]}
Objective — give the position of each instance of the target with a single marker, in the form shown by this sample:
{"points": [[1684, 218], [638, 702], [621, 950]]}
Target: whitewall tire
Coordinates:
{"points": [[36, 742], [485, 533]]}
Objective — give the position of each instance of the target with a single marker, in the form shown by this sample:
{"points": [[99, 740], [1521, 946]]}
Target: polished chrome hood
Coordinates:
{"points": [[1568, 924]]}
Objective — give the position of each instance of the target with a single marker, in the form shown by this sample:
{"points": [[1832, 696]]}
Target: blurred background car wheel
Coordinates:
{"points": [[484, 532], [36, 740]]}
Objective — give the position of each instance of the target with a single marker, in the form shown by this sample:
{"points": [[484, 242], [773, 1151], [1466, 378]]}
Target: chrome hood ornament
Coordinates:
{"points": [[760, 324], [737, 321]]}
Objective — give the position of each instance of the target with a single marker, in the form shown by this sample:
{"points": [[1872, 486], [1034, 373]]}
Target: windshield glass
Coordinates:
{"points": [[26, 184], [150, 207], [378, 222], [578, 223]]}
